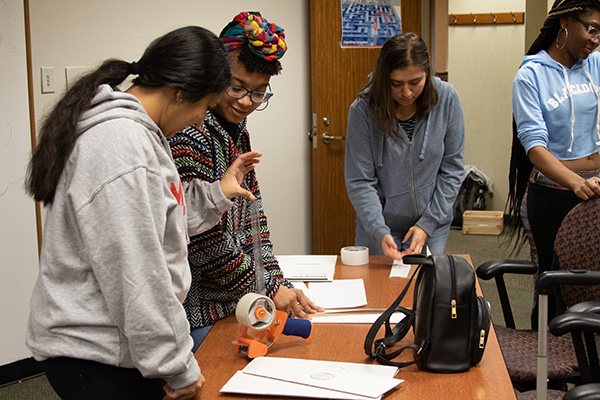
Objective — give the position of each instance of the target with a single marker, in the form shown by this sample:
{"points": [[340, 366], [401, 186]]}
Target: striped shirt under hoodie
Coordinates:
{"points": [[221, 259]]}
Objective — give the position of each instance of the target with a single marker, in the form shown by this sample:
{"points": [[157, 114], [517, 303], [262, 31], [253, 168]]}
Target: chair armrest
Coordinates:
{"points": [[585, 306], [494, 268], [590, 391], [575, 322], [548, 279]]}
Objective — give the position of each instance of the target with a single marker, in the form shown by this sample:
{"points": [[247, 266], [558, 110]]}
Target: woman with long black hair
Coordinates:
{"points": [[555, 162], [106, 315]]}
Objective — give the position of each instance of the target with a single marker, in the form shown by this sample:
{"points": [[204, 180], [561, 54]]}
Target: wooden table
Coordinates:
{"points": [[219, 360]]}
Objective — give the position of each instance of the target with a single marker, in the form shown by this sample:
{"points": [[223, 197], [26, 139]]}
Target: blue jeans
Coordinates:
{"points": [[198, 335]]}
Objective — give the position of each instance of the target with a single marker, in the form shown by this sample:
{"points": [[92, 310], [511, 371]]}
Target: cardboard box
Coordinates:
{"points": [[483, 222]]}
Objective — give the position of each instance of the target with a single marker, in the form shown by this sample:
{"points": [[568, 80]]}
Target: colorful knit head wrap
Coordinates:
{"points": [[266, 40]]}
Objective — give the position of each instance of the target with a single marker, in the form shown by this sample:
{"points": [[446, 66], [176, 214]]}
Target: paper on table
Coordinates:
{"points": [[354, 316], [242, 383], [399, 269], [339, 377], [307, 268], [340, 293]]}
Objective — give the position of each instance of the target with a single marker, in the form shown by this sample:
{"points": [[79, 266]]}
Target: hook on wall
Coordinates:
{"points": [[474, 18], [514, 17], [495, 18], [454, 19]]}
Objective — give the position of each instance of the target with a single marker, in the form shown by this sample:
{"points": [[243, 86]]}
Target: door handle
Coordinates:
{"points": [[328, 138]]}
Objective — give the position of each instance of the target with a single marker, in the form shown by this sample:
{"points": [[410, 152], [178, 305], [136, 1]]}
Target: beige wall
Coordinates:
{"points": [[482, 62], [72, 33]]}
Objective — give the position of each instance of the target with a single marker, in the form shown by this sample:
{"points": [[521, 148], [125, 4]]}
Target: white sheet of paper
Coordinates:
{"points": [[353, 316], [399, 269], [340, 293], [307, 268], [242, 383], [340, 377]]}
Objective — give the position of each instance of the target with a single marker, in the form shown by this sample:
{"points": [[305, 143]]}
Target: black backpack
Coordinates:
{"points": [[471, 196], [451, 322]]}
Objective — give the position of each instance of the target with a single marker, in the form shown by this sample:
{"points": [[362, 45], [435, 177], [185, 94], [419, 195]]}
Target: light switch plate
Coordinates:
{"points": [[47, 74]]}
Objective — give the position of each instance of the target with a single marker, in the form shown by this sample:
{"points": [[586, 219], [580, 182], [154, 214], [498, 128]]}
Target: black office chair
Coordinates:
{"points": [[576, 247], [591, 391], [582, 321]]}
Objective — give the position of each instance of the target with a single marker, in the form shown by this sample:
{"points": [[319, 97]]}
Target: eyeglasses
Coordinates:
{"points": [[593, 32], [238, 92]]}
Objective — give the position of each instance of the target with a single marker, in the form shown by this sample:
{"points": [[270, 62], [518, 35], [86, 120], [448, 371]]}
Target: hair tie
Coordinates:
{"points": [[265, 39], [134, 68]]}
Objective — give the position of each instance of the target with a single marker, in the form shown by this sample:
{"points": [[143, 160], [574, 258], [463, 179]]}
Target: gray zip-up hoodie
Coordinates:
{"points": [[113, 267], [395, 184]]}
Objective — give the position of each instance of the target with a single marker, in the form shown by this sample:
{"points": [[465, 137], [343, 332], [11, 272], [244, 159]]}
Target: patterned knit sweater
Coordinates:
{"points": [[221, 259]]}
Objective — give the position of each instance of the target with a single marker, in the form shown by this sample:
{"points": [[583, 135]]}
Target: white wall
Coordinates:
{"points": [[18, 236], [72, 33], [482, 62]]}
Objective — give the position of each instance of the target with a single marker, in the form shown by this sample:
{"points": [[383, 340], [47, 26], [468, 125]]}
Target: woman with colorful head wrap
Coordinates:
{"points": [[222, 259], [555, 162]]}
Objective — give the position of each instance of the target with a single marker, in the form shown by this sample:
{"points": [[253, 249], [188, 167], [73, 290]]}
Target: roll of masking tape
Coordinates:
{"points": [[355, 255]]}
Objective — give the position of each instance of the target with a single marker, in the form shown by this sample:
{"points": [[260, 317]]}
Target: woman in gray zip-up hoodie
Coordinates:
{"points": [[404, 153]]}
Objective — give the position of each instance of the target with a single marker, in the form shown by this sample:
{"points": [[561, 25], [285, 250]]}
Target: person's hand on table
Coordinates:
{"points": [[417, 237], [234, 176], [193, 391], [390, 248], [295, 303]]}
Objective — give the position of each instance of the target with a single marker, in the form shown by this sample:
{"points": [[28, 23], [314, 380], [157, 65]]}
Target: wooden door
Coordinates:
{"points": [[337, 75]]}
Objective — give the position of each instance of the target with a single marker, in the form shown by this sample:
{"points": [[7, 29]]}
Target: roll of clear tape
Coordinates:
{"points": [[255, 311], [355, 255]]}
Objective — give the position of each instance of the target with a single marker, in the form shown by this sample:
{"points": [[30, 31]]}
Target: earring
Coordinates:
{"points": [[565, 42]]}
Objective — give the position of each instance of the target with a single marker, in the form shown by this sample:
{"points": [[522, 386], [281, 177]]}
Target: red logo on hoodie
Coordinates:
{"points": [[178, 195]]}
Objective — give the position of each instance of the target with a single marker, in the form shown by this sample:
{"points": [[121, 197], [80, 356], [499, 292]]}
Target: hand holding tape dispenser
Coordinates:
{"points": [[261, 323]]}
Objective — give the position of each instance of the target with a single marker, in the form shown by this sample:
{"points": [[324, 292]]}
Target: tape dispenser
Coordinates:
{"points": [[261, 324]]}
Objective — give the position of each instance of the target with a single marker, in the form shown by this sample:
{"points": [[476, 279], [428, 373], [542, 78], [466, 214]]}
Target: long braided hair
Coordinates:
{"points": [[520, 165]]}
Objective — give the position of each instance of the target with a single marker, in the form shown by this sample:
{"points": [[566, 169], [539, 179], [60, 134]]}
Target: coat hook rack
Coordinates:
{"points": [[487, 18]]}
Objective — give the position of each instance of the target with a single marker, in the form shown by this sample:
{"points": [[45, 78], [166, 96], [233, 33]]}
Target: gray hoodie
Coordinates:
{"points": [[395, 184], [113, 267]]}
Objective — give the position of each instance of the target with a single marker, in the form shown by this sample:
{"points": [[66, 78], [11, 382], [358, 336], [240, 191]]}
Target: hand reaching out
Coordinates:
{"points": [[234, 176], [295, 303], [418, 238], [390, 248]]}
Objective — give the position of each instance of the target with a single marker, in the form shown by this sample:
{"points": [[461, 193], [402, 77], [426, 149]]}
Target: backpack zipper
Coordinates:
{"points": [[453, 298]]}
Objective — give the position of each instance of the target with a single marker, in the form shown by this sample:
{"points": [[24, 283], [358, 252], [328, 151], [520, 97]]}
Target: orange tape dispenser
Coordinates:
{"points": [[261, 324]]}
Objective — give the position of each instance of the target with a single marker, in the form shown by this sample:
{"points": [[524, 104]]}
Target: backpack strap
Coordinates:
{"points": [[395, 334]]}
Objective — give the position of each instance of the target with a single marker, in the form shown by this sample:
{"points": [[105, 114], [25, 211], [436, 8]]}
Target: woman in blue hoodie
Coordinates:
{"points": [[555, 162], [404, 153]]}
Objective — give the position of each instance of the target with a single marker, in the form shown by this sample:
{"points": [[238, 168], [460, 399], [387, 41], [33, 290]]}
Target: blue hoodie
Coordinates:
{"points": [[556, 107], [394, 184]]}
